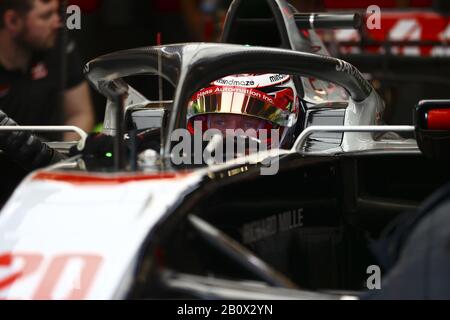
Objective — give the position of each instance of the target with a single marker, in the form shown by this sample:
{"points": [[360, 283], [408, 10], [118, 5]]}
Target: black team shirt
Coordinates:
{"points": [[33, 97]]}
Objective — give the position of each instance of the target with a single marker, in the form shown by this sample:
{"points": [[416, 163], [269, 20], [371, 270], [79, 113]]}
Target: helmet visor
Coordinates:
{"points": [[275, 108]]}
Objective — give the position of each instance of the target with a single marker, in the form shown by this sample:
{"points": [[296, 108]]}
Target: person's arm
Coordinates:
{"points": [[78, 109]]}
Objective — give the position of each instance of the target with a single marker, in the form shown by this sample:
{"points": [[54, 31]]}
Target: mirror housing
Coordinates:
{"points": [[150, 116], [432, 121]]}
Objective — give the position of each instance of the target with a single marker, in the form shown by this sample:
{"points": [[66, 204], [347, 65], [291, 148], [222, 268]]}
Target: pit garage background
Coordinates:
{"points": [[407, 59]]}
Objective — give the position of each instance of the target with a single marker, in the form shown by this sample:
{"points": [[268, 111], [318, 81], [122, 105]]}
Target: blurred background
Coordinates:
{"points": [[407, 59]]}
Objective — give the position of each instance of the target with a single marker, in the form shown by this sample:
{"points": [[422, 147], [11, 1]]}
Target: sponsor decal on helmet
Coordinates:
{"points": [[253, 81], [234, 82]]}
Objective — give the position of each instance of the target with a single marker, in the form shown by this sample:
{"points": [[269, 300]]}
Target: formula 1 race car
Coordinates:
{"points": [[117, 216]]}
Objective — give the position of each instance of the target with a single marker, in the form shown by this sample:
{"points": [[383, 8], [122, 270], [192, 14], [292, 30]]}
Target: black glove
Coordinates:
{"points": [[97, 153], [26, 149], [99, 145]]}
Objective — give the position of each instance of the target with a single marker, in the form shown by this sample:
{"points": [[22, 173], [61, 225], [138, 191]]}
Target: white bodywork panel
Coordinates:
{"points": [[78, 241], [364, 113]]}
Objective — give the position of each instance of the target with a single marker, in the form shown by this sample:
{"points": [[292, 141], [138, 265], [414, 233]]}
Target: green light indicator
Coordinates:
{"points": [[109, 155]]}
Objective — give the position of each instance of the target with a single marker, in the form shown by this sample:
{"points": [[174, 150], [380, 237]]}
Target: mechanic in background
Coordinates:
{"points": [[31, 90]]}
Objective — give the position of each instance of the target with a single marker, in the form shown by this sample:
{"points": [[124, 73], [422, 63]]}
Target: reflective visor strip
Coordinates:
{"points": [[253, 93], [275, 109]]}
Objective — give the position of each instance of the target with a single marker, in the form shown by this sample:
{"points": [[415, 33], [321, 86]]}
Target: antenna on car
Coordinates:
{"points": [[160, 80], [161, 96]]}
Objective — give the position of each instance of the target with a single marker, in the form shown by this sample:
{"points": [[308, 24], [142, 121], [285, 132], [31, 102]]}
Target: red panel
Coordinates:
{"points": [[351, 4], [430, 25], [439, 119], [408, 28]]}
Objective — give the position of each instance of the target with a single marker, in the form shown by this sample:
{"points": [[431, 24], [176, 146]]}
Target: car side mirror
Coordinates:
{"points": [[432, 120], [147, 117]]}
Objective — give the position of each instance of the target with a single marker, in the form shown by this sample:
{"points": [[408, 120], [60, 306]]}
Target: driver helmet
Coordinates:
{"points": [[247, 101]]}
